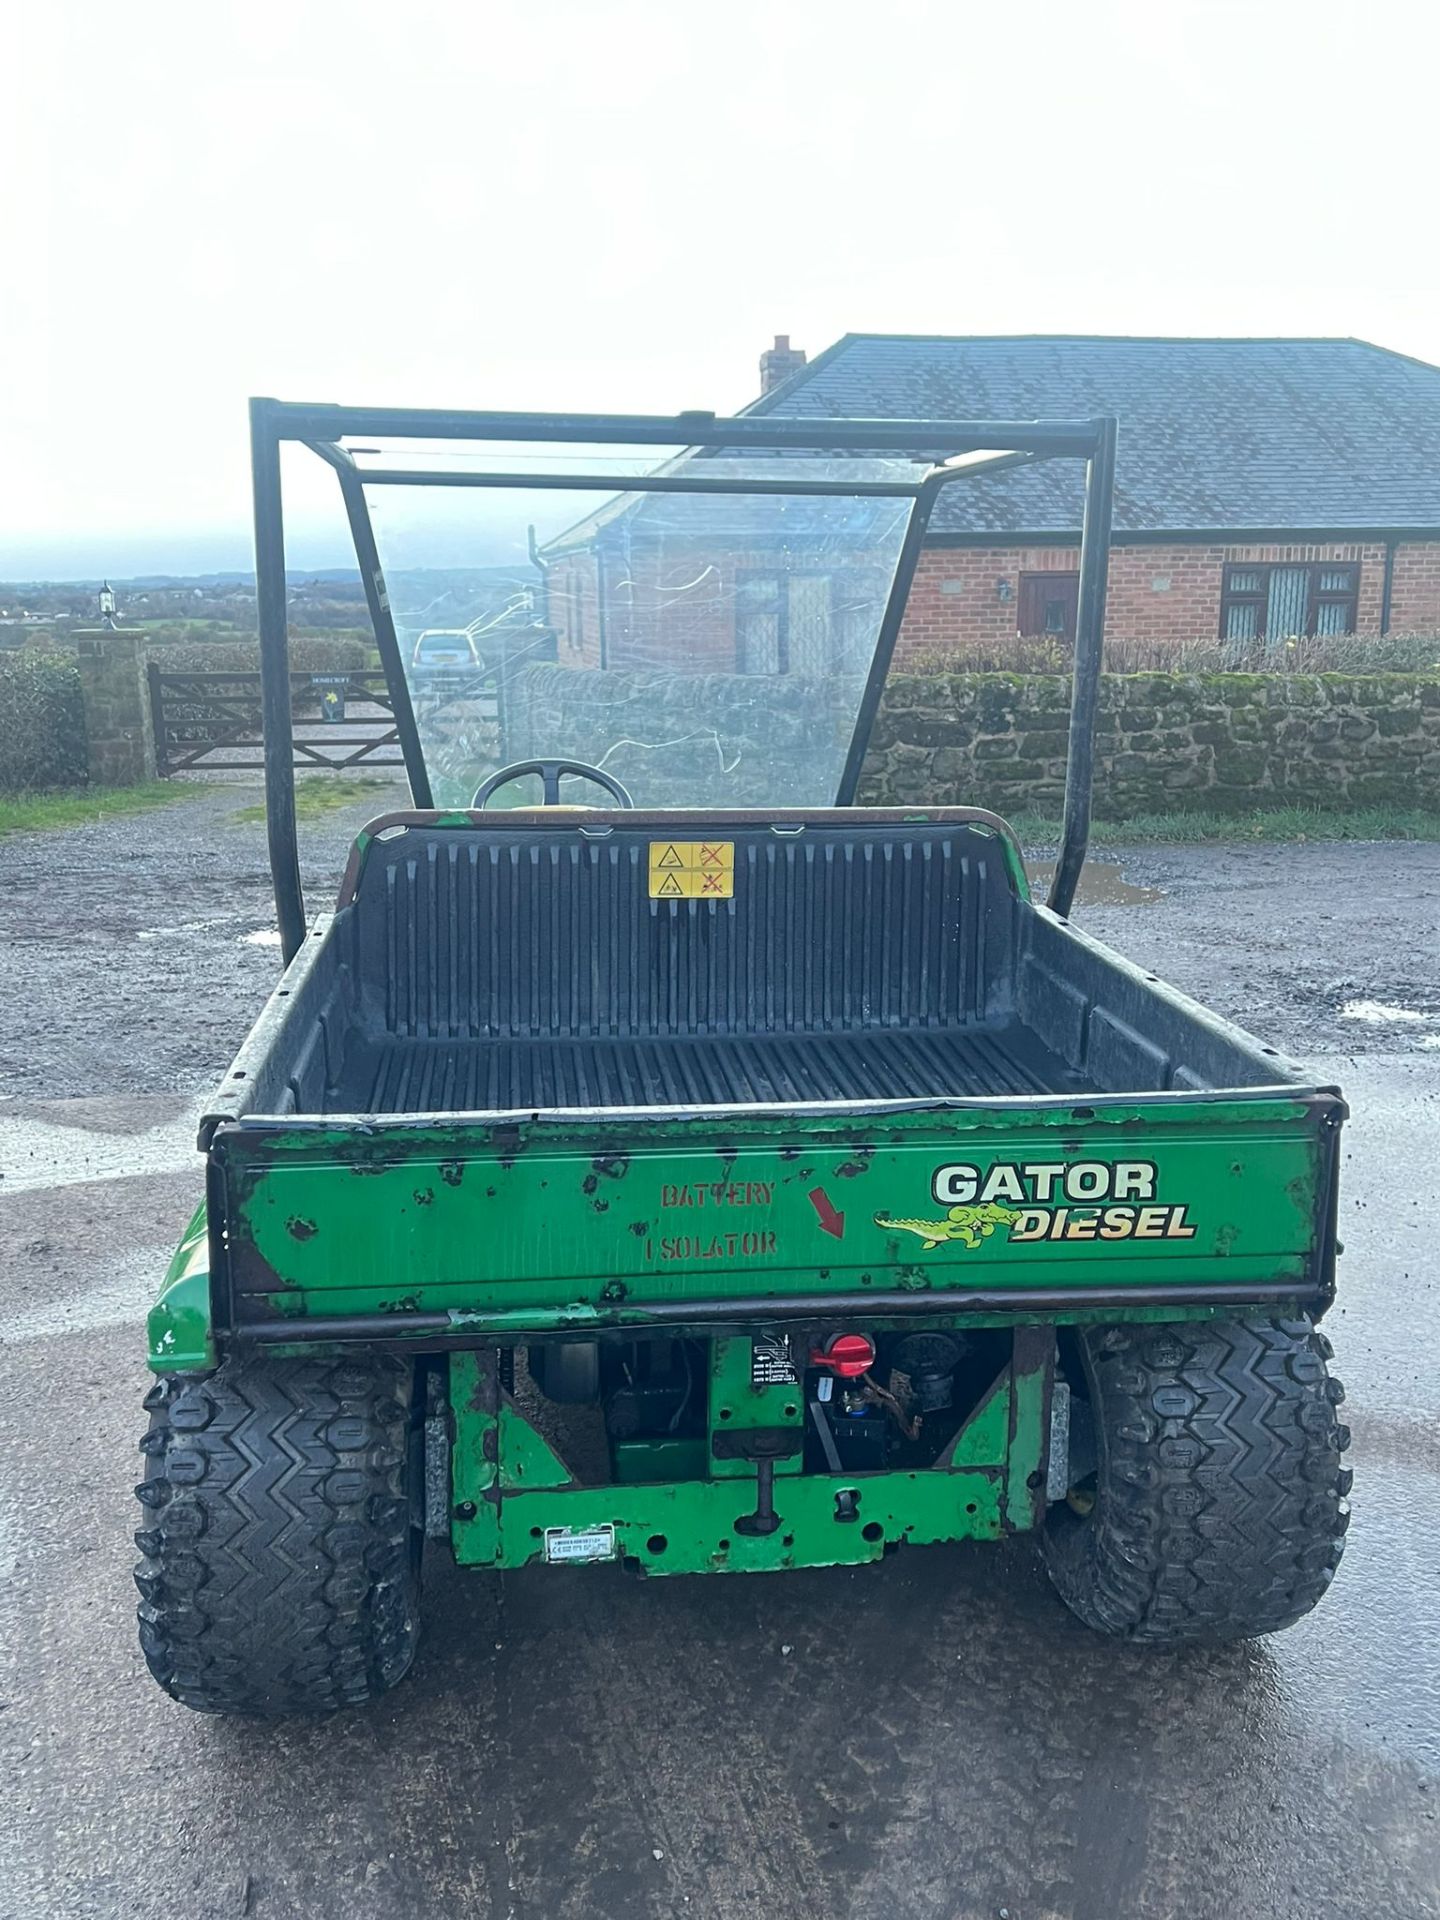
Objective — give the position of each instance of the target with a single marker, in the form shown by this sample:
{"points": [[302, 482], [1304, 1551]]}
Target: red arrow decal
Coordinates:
{"points": [[831, 1222]]}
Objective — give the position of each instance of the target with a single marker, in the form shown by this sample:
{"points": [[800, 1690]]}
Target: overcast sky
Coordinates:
{"points": [[616, 203]]}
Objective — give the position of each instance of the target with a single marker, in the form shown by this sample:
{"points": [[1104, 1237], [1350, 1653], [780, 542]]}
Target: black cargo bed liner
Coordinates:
{"points": [[523, 964], [485, 1076]]}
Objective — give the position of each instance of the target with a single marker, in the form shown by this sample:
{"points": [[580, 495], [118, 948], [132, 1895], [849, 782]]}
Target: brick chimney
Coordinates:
{"points": [[777, 363]]}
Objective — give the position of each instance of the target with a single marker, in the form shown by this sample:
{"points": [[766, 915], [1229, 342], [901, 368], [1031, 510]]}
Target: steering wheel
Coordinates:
{"points": [[551, 773]]}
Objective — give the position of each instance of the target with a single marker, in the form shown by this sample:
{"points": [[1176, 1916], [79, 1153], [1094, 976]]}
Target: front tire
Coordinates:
{"points": [[1217, 1508], [280, 1566]]}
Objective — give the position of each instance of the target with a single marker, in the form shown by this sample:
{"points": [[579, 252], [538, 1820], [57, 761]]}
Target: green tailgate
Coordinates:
{"points": [[585, 1220]]}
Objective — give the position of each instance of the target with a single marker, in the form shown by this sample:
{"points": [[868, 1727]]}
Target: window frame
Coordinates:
{"points": [[842, 583], [1035, 579], [1315, 596], [749, 577]]}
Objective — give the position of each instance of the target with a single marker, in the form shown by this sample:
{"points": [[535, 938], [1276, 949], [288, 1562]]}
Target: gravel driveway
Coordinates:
{"points": [[138, 952], [932, 1736]]}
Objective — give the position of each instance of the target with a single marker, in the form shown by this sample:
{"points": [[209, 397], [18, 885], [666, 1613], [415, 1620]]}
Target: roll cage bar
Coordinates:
{"points": [[955, 450]]}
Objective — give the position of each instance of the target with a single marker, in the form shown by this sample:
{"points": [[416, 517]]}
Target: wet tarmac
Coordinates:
{"points": [[933, 1735]]}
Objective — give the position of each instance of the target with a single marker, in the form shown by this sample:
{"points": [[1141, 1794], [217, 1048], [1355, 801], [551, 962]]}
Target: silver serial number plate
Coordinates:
{"points": [[588, 1543]]}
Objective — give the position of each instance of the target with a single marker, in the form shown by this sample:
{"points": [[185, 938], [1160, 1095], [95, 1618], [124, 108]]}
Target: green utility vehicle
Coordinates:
{"points": [[698, 1170]]}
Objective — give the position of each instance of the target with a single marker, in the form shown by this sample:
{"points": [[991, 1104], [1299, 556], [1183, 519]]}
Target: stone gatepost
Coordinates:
{"points": [[117, 706]]}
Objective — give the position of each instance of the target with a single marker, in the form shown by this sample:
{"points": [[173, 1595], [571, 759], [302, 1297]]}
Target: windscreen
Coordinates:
{"points": [[704, 648]]}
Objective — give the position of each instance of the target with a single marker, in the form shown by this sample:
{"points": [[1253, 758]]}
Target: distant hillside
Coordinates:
{"points": [[521, 572]]}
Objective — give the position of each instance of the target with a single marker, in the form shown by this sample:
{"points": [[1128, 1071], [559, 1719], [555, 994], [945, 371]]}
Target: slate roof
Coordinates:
{"points": [[1215, 435]]}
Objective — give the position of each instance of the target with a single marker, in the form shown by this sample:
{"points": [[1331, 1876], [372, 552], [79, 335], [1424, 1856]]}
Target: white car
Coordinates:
{"points": [[445, 650]]}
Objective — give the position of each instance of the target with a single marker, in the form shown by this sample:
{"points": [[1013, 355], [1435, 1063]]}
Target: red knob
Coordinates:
{"points": [[847, 1355]]}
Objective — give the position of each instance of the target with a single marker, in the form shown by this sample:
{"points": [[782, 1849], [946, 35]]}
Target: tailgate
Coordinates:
{"points": [[539, 1223]]}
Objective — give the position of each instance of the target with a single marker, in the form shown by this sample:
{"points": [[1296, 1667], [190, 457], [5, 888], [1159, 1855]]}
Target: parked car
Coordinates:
{"points": [[445, 650]]}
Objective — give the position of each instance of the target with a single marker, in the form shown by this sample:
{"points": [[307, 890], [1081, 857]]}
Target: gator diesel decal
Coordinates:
{"points": [[968, 1225], [1046, 1181], [1046, 1200]]}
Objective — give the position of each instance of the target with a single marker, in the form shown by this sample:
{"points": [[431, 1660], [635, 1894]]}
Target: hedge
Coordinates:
{"points": [[309, 653], [42, 723]]}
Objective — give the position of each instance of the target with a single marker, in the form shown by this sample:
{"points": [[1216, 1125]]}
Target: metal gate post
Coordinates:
{"points": [[157, 719]]}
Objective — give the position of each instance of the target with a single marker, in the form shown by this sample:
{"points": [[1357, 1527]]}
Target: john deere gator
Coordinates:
{"points": [[660, 1159]]}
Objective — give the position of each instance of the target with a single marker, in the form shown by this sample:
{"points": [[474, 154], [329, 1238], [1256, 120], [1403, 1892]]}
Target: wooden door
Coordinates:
{"points": [[1049, 603]]}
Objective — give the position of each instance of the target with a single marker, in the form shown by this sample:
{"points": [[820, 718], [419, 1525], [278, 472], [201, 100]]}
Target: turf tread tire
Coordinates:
{"points": [[1220, 1508], [279, 1568]]}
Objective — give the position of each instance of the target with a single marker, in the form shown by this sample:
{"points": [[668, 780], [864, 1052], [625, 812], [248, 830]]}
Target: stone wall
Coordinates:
{"points": [[1165, 742], [1220, 742], [679, 739]]}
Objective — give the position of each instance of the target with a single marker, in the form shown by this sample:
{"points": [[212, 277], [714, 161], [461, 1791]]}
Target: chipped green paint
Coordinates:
{"points": [[178, 1326], [497, 1225], [696, 1522], [1024, 1478], [527, 1459], [738, 1406], [509, 1488], [875, 1323], [983, 1439]]}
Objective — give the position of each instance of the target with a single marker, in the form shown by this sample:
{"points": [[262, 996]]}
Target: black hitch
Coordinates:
{"points": [[763, 1445]]}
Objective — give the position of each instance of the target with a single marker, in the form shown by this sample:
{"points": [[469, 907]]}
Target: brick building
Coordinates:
{"points": [[1264, 489]]}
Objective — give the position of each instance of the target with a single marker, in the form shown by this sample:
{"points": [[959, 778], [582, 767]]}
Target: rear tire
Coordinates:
{"points": [[1218, 1504], [280, 1568]]}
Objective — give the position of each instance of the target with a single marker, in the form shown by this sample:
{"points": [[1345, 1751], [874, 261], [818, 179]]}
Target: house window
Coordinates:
{"points": [[1275, 603], [1049, 603], [784, 624], [762, 644], [812, 625], [572, 631]]}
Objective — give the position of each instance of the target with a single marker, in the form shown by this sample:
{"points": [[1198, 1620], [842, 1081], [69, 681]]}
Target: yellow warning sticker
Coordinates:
{"points": [[692, 869]]}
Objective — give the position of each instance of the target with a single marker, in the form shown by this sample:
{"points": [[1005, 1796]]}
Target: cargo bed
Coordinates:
{"points": [[871, 1070], [468, 1076], [519, 962]]}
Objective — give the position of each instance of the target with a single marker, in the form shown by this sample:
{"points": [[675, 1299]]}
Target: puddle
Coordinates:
{"points": [[261, 937], [185, 926], [1378, 1013], [1102, 884]]}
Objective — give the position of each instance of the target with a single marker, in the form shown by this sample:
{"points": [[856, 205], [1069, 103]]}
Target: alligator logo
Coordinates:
{"points": [[968, 1225]]}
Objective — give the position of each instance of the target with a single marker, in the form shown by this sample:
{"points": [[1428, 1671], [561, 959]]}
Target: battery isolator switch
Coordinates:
{"points": [[846, 1355]]}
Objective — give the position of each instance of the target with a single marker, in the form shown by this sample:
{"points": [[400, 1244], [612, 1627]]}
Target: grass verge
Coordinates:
{"points": [[314, 799], [83, 806], [1274, 823]]}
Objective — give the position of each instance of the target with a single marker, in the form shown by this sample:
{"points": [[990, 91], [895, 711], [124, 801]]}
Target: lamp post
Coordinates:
{"points": [[107, 604]]}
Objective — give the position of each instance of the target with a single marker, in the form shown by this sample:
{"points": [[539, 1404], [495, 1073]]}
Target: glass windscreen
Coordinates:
{"points": [[705, 649]]}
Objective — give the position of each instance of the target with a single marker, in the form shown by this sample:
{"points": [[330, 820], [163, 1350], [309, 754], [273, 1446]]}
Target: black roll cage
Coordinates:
{"points": [[321, 427]]}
